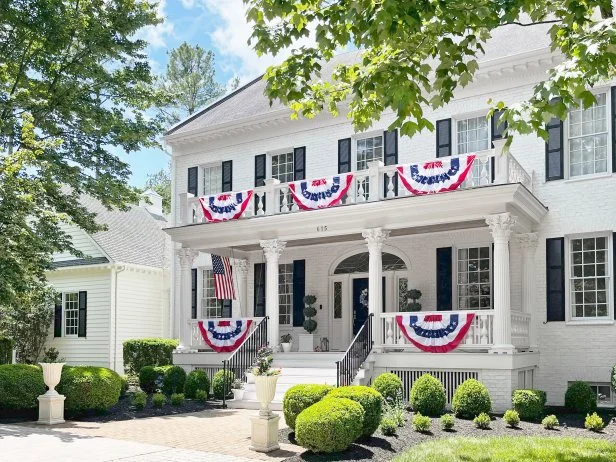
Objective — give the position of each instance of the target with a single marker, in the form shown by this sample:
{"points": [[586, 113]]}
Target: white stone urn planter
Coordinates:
{"points": [[238, 394], [286, 347], [51, 404], [266, 390], [306, 342]]}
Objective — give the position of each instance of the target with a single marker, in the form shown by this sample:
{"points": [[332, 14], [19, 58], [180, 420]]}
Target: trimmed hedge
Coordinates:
{"points": [[196, 380], [173, 380], [389, 385], [299, 397], [580, 398], [370, 399], [20, 385], [151, 378], [331, 425], [142, 352], [529, 404], [218, 383], [470, 399], [89, 388], [428, 396], [6, 350]]}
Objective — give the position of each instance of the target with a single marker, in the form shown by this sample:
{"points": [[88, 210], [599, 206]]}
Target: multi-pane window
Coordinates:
{"points": [[368, 150], [474, 278], [283, 170], [285, 292], [603, 391], [473, 135], [212, 179], [589, 281], [588, 137], [71, 313], [403, 287], [211, 307]]}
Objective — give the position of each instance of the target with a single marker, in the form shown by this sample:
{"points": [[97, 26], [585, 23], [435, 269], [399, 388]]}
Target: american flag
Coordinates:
{"points": [[223, 278]]}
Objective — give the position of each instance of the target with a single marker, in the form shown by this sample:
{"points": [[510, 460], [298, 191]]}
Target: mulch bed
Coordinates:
{"points": [[381, 448]]}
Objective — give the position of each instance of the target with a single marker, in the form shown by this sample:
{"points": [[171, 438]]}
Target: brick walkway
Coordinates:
{"points": [[218, 435]]}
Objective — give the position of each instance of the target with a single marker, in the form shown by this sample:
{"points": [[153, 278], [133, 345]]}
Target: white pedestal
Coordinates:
{"points": [[306, 342], [51, 409], [264, 433]]}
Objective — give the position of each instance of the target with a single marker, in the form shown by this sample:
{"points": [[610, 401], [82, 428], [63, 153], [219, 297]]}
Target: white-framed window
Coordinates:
{"points": [[367, 149], [337, 299], [474, 278], [472, 134], [526, 379], [211, 307], [603, 391], [588, 138], [589, 265], [403, 287], [212, 179], [285, 293], [70, 305], [282, 167]]}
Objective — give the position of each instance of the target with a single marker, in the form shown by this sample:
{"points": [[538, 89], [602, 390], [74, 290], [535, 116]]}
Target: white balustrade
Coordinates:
{"points": [[520, 329], [196, 339], [517, 174]]}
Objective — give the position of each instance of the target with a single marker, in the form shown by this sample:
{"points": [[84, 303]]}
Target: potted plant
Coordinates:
{"points": [[286, 341], [266, 378], [306, 341], [237, 387], [413, 295], [51, 404]]}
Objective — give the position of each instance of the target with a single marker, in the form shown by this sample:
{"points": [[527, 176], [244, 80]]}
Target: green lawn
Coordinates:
{"points": [[511, 449]]}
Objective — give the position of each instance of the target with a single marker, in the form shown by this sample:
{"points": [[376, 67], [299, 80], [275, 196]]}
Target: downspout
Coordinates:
{"points": [[118, 269]]}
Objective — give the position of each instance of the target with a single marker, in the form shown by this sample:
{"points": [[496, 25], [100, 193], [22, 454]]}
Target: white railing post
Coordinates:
{"points": [[375, 182], [186, 212], [272, 197], [501, 163]]}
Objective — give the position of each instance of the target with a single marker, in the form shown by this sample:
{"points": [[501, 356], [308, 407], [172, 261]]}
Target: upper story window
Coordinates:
{"points": [[474, 278], [587, 136], [211, 307], [282, 167], [70, 303], [212, 179], [473, 134], [285, 293], [368, 150]]}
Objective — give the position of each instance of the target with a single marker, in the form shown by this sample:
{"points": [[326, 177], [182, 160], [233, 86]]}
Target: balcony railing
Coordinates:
{"points": [[196, 339], [376, 183]]}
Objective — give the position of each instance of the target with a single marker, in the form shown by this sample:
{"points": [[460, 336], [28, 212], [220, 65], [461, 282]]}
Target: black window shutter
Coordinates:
{"points": [[259, 289], [554, 151], [444, 274], [299, 290], [443, 138], [614, 138], [227, 176], [299, 163], [57, 319], [193, 180], [344, 155], [226, 308], [390, 148], [193, 293], [555, 278], [497, 128], [260, 172], [83, 314]]}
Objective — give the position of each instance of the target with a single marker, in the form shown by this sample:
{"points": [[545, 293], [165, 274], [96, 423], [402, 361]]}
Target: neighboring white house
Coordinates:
{"points": [[120, 291], [527, 242]]}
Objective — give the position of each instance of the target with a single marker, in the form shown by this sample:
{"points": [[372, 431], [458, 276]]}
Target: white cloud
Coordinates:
{"points": [[188, 4], [156, 36]]}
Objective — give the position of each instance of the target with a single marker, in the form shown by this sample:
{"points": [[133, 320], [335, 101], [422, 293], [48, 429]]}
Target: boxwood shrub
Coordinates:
{"points": [[89, 388], [299, 397], [428, 396], [331, 425], [147, 352], [370, 399], [389, 385], [196, 380], [20, 385], [151, 378], [470, 399], [173, 380], [580, 398], [529, 404], [218, 383], [6, 350]]}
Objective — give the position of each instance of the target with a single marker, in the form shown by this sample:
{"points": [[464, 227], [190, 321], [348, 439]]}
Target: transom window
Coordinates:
{"points": [[70, 303], [474, 278], [285, 292], [359, 263], [473, 135], [589, 279], [211, 307], [588, 138], [212, 179]]}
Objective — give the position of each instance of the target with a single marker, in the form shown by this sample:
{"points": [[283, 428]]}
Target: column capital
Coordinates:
{"points": [[240, 265], [186, 256], [501, 226], [527, 240], [375, 237], [272, 248]]}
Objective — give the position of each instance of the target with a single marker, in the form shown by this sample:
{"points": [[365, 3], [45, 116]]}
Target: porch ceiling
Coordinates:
{"points": [[461, 209]]}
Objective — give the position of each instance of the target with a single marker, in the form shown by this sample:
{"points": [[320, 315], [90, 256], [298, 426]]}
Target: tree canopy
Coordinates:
{"points": [[416, 54]]}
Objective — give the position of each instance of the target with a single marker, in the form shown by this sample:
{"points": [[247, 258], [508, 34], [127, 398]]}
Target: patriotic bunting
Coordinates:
{"points": [[320, 193], [435, 333], [444, 174], [224, 335], [226, 206]]}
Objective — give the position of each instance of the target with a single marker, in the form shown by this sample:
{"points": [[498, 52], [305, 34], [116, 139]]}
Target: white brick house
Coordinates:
{"points": [[539, 223]]}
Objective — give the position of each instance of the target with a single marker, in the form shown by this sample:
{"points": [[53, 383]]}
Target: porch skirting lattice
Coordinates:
{"points": [[450, 379]]}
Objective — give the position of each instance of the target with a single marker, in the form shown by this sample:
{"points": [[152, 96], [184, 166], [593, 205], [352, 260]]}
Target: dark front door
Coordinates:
{"points": [[360, 303]]}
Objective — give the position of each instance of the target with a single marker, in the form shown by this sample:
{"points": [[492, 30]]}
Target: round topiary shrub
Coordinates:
{"points": [[147, 379], [331, 425], [299, 397], [580, 398], [173, 380], [89, 388], [470, 399], [196, 380], [218, 383], [370, 399], [20, 385], [529, 404], [389, 386], [428, 396]]}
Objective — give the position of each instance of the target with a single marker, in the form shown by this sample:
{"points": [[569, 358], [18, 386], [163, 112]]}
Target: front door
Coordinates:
{"points": [[360, 303]]}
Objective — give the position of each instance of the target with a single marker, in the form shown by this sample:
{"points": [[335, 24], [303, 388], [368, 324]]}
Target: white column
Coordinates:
{"points": [[374, 239], [501, 226], [528, 245], [186, 257], [240, 276], [272, 249]]}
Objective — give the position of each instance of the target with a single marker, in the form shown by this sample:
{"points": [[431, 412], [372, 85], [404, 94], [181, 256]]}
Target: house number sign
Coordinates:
{"points": [[321, 228]]}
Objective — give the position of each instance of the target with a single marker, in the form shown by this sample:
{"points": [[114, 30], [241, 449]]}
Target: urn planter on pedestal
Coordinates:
{"points": [[266, 390], [51, 404], [264, 435]]}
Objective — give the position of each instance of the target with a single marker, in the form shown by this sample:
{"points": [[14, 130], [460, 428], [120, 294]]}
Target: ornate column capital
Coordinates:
{"points": [[272, 248], [375, 237], [186, 257], [527, 240], [501, 226], [240, 265]]}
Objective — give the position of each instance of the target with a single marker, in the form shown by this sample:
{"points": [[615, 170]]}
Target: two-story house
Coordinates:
{"points": [[526, 243]]}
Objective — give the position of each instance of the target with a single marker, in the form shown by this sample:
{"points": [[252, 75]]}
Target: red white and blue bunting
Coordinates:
{"points": [[225, 206], [320, 193], [435, 333], [439, 175], [224, 335]]}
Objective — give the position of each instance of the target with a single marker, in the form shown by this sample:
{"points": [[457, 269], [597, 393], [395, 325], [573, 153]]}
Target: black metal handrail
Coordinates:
{"points": [[356, 354], [244, 356]]}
